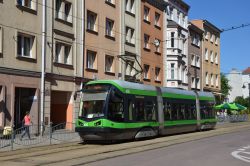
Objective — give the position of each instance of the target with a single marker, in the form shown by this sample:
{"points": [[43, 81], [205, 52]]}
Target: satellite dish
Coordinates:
{"points": [[156, 42]]}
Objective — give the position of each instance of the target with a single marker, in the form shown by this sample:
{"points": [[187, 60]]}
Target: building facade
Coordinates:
{"points": [[238, 80], [211, 57], [130, 60], [151, 47], [64, 60], [176, 42], [102, 39], [20, 61], [195, 57], [35, 35]]}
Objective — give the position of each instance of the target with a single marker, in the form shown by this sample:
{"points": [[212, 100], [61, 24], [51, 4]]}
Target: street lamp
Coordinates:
{"points": [[249, 93]]}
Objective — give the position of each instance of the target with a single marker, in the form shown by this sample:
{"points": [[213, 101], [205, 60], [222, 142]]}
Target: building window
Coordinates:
{"points": [[193, 60], [172, 71], [110, 27], [211, 37], [146, 41], [64, 10], [193, 82], [91, 21], [206, 54], [212, 56], [171, 13], [63, 53], [172, 39], [216, 40], [130, 35], [157, 45], [91, 59], [196, 40], [1, 40], [129, 67], [27, 3], [146, 71], [26, 46], [206, 78], [146, 14], [157, 73], [212, 79], [216, 58], [179, 17], [109, 61], [216, 80], [157, 19], [206, 34], [198, 61], [130, 6]]}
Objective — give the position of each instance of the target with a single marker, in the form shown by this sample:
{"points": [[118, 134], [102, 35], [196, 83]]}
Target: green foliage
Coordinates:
{"points": [[225, 87]]}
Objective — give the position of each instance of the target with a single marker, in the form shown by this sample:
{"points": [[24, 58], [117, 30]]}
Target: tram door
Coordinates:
{"points": [[130, 107]]}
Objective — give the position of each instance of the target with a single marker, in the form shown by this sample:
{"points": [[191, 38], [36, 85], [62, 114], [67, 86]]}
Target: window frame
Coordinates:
{"points": [[94, 64], [63, 56], [109, 32], [61, 14], [112, 68], [32, 45], [32, 8], [91, 24], [146, 71]]}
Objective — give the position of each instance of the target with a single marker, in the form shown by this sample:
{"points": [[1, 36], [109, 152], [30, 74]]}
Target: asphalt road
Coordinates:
{"points": [[225, 150], [226, 145]]}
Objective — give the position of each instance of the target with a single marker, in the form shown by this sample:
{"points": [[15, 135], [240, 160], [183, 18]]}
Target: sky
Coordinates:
{"points": [[224, 14]]}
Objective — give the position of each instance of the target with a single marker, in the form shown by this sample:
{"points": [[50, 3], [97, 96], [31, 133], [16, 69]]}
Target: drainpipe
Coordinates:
{"points": [[83, 40], [43, 64]]}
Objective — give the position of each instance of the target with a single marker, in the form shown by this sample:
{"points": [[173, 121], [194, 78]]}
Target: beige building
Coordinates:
{"points": [[64, 60], [20, 61], [130, 64], [21, 55], [102, 39], [211, 56]]}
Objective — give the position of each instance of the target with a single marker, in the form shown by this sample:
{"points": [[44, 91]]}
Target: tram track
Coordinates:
{"points": [[83, 154]]}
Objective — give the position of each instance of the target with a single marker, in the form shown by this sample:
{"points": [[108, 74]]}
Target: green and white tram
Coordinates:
{"points": [[120, 110]]}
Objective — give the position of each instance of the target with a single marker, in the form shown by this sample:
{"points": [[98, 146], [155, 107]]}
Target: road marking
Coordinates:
{"points": [[241, 154]]}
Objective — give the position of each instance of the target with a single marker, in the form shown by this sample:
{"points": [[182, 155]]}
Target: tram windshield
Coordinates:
{"points": [[93, 100]]}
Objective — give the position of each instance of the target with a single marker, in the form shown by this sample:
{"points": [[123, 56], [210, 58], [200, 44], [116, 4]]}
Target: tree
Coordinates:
{"points": [[225, 87], [240, 100]]}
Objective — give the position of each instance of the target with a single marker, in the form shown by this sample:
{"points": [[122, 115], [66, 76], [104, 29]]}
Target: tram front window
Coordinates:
{"points": [[93, 105]]}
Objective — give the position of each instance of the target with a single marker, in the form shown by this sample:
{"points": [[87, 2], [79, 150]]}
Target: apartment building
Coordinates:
{"points": [[130, 60], [151, 46], [176, 44], [21, 52], [102, 39], [211, 56], [64, 60], [20, 61], [239, 81], [195, 57]]}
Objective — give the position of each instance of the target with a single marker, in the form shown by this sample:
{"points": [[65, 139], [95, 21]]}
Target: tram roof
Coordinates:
{"points": [[136, 88]]}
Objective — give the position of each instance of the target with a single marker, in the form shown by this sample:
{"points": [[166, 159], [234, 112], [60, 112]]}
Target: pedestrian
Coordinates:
{"points": [[27, 123]]}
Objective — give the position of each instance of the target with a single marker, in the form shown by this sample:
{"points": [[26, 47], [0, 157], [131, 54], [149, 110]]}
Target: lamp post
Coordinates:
{"points": [[249, 93]]}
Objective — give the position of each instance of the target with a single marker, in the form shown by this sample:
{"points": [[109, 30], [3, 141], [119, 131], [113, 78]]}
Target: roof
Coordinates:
{"points": [[246, 71], [135, 88]]}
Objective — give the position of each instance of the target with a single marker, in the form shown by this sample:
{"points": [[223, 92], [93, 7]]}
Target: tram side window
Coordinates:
{"points": [[174, 111], [150, 110], [130, 110], [139, 110], [181, 112], [115, 107], [167, 111], [193, 111]]}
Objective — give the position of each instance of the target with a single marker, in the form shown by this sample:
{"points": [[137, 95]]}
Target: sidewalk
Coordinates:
{"points": [[63, 137], [57, 137]]}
